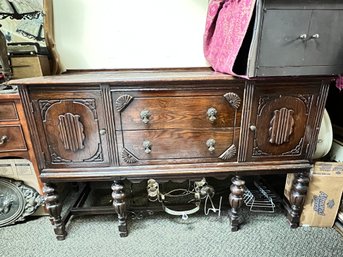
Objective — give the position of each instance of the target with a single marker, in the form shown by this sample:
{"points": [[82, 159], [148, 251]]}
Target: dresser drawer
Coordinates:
{"points": [[8, 111], [179, 145], [12, 139], [169, 111]]}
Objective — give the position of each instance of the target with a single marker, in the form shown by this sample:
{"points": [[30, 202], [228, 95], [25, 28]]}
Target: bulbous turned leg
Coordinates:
{"points": [[54, 208], [119, 205], [235, 199], [297, 198]]}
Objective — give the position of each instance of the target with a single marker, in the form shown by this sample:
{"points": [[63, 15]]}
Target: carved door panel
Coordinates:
{"points": [[282, 121], [72, 130]]}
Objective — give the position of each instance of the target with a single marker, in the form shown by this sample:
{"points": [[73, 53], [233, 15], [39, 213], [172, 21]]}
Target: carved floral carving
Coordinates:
{"points": [[98, 156], [58, 159], [128, 157], [44, 105], [297, 149], [90, 103], [122, 102], [233, 99], [229, 153]]}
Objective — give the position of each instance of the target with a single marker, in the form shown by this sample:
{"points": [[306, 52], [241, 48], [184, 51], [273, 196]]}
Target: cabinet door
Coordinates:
{"points": [[325, 39], [281, 44], [282, 121], [72, 128]]}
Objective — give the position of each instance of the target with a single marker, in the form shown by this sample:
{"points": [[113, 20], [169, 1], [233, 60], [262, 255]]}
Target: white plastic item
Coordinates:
{"points": [[325, 137]]}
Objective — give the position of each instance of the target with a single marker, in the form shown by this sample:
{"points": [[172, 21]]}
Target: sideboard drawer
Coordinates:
{"points": [[147, 110], [179, 145], [8, 112], [12, 139]]}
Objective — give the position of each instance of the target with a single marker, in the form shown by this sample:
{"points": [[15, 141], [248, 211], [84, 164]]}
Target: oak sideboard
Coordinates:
{"points": [[171, 123]]}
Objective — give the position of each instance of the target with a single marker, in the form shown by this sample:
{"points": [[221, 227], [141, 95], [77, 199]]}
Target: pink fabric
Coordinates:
{"points": [[226, 25], [339, 82]]}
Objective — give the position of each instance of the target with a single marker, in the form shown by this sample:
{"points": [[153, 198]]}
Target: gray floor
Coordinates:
{"points": [[163, 235]]}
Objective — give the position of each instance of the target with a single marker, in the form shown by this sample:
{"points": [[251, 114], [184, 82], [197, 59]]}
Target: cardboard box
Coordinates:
{"points": [[323, 195], [30, 66]]}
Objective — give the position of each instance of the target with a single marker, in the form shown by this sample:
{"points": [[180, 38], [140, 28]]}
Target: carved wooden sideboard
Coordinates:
{"points": [[172, 123]]}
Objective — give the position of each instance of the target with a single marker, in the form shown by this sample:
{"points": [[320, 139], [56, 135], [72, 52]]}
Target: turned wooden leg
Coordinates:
{"points": [[54, 208], [119, 205], [297, 198], [235, 199]]}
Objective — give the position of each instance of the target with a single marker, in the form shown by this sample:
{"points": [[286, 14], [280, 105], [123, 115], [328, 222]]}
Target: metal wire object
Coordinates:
{"points": [[259, 198]]}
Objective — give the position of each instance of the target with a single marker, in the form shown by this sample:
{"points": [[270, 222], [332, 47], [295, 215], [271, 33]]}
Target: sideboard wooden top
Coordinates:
{"points": [[136, 76], [126, 76]]}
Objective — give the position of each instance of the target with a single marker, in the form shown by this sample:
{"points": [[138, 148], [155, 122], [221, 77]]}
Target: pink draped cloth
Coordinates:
{"points": [[226, 26], [339, 82]]}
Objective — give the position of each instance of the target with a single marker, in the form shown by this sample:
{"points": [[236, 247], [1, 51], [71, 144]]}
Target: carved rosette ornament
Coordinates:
{"points": [[71, 131], [122, 102], [17, 201], [229, 153], [233, 99], [281, 126], [128, 157]]}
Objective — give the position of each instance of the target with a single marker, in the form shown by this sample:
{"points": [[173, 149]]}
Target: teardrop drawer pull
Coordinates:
{"points": [[145, 116], [3, 140], [212, 114], [211, 145], [147, 146]]}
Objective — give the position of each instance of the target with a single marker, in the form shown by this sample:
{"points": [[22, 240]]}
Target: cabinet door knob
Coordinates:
{"points": [[212, 114], [102, 132], [210, 145], [3, 140], [303, 36], [145, 115], [147, 146], [315, 36], [252, 128]]}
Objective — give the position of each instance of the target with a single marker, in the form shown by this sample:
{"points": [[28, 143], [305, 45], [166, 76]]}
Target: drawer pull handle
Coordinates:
{"points": [[145, 115], [147, 146], [212, 114], [210, 145], [3, 140], [315, 36], [303, 36]]}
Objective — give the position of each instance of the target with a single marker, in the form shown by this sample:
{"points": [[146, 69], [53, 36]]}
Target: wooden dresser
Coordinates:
{"points": [[15, 140], [172, 123]]}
